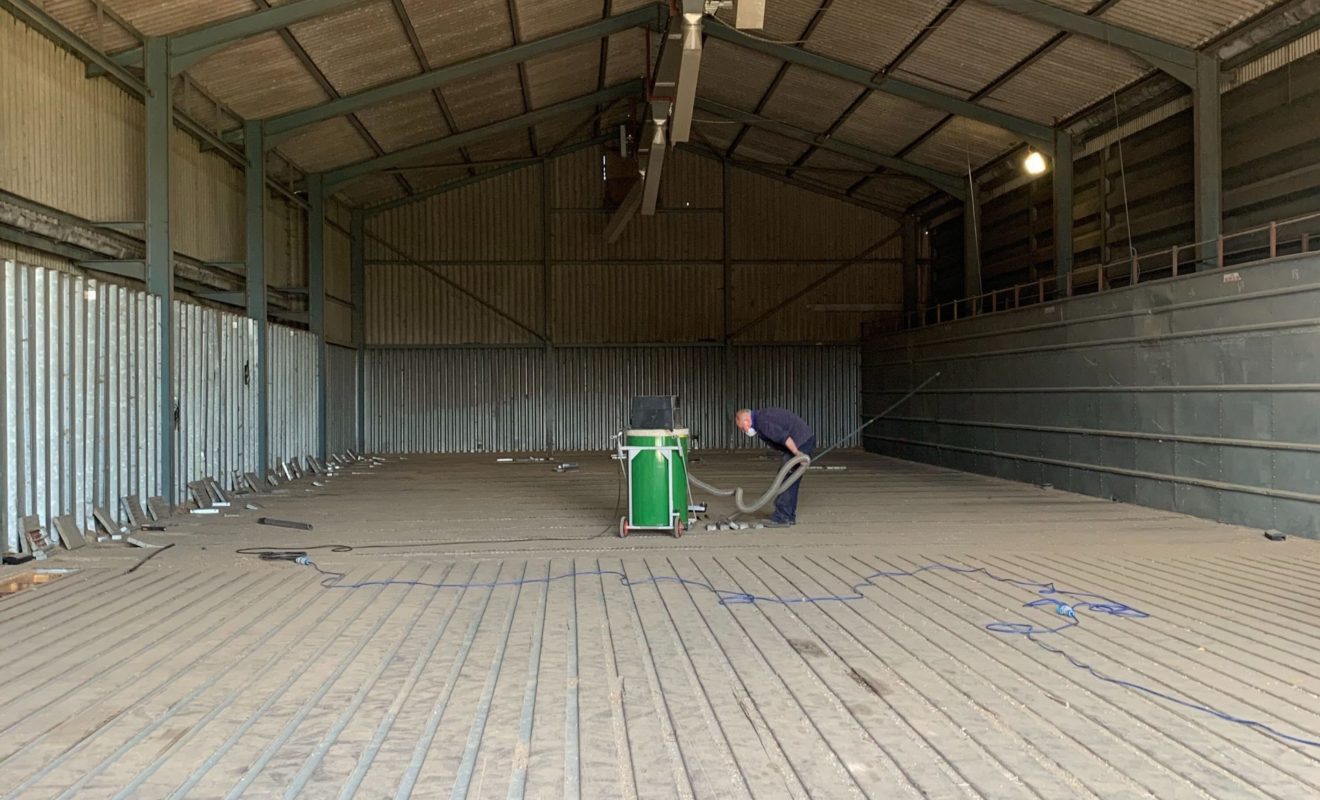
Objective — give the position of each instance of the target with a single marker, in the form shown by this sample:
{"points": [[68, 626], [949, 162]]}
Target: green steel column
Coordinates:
{"points": [[256, 280], [1063, 203], [971, 242], [160, 251], [316, 301], [550, 397], [911, 247], [1208, 152], [358, 277]]}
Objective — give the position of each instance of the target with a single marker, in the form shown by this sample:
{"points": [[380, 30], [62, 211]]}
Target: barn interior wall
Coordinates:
{"points": [[498, 323]]}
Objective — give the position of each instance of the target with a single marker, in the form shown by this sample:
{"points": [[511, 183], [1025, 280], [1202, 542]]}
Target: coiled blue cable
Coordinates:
{"points": [[1063, 602]]}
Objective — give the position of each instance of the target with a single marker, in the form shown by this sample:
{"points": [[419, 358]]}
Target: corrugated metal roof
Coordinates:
{"points": [[960, 142], [886, 124], [809, 99], [281, 84], [456, 30], [326, 145], [1190, 23], [359, 48], [871, 34], [975, 45], [825, 160], [406, 121], [563, 75], [485, 98], [1066, 80], [154, 18], [537, 18], [366, 45], [762, 145]]}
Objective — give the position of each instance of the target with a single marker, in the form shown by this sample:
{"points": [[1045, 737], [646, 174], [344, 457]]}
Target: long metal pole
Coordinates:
{"points": [[316, 303], [160, 249], [256, 282], [358, 277], [867, 424]]}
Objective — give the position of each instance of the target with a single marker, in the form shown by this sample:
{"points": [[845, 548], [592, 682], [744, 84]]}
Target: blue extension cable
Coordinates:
{"points": [[1050, 597]]}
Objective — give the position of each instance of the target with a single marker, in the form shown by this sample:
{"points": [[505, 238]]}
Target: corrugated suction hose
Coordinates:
{"points": [[789, 474]]}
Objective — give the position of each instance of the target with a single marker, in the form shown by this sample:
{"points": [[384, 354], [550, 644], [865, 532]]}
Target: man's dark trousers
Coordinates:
{"points": [[786, 503]]}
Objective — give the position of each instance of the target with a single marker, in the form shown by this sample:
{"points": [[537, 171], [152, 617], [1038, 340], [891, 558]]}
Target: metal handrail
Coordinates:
{"points": [[1113, 275]]}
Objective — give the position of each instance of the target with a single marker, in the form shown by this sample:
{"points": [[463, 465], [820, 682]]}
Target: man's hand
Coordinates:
{"points": [[792, 446]]}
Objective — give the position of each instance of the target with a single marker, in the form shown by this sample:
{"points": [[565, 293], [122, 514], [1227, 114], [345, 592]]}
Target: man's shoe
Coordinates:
{"points": [[778, 523]]}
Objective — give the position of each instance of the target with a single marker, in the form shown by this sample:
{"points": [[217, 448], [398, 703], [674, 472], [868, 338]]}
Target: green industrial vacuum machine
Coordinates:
{"points": [[654, 452]]}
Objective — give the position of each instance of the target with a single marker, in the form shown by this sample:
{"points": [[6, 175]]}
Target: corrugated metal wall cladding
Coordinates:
{"points": [[455, 401], [79, 396], [821, 315], [498, 218], [669, 236], [217, 433], [293, 372], [578, 180], [84, 154], [206, 202], [773, 221], [35, 258], [636, 303], [286, 243], [341, 399], [410, 305], [508, 400]]}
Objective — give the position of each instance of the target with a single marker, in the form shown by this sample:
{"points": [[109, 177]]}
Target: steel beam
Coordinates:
{"points": [[949, 184], [336, 179], [1180, 62], [1063, 203], [280, 127], [159, 248], [632, 203], [256, 283], [358, 280], [186, 49], [1207, 121], [316, 303], [1041, 136]]}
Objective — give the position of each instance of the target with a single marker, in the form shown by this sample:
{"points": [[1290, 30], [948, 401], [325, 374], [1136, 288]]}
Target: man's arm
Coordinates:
{"points": [[792, 446]]}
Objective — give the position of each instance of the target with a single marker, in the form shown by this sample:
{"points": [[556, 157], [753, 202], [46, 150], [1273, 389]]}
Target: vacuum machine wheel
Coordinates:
{"points": [[623, 527]]}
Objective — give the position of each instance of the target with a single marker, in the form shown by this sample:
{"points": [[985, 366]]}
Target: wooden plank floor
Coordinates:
{"points": [[497, 645]]}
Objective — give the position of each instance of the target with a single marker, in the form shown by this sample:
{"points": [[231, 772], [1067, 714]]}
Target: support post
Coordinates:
{"points": [[726, 203], [316, 302], [1208, 153], [911, 246], [160, 250], [256, 280], [358, 280], [971, 242], [549, 404], [1063, 203]]}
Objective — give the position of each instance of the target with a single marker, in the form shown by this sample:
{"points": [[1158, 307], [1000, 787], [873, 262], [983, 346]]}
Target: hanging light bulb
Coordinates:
{"points": [[1035, 163]]}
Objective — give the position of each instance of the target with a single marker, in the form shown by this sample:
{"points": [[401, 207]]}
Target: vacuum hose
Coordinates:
{"points": [[787, 476]]}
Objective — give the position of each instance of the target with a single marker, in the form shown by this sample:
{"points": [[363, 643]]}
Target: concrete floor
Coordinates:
{"points": [[209, 674]]}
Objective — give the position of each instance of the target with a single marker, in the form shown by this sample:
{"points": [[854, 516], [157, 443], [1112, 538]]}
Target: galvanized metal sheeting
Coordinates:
{"points": [[1198, 394], [79, 395], [292, 401], [498, 399], [341, 398], [215, 385]]}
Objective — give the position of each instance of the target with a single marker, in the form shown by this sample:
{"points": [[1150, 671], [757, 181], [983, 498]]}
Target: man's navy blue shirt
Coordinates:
{"points": [[776, 425]]}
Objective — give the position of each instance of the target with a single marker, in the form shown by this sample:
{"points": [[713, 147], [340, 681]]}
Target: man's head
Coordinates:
{"points": [[743, 419]]}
